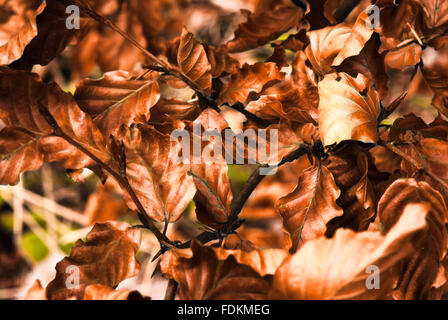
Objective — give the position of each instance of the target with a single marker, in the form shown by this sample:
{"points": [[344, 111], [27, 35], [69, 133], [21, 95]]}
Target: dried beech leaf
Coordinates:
{"points": [[349, 167], [167, 110], [405, 57], [213, 195], [344, 112], [282, 101], [336, 268], [19, 30], [307, 209], [193, 62], [52, 35], [303, 79], [424, 262], [264, 262], [220, 61], [370, 63], [219, 279], [106, 203], [117, 99], [434, 70], [264, 26], [360, 34], [156, 173], [107, 258], [330, 46], [250, 78], [20, 95], [19, 153]]}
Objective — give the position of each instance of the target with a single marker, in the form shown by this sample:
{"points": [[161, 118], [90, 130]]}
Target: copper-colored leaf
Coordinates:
{"points": [[213, 196], [336, 268], [405, 57], [280, 101], [310, 206], [107, 257], [19, 153], [220, 61], [349, 166], [117, 99], [156, 173], [250, 78], [193, 62], [219, 279], [19, 30], [344, 112], [52, 35], [424, 263], [22, 94], [434, 70], [330, 46], [263, 27]]}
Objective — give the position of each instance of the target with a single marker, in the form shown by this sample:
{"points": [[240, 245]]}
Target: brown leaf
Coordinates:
{"points": [[20, 95], [250, 78], [213, 195], [117, 99], [107, 258], [405, 57], [307, 209], [344, 112], [304, 80], [52, 35], [434, 60], [193, 62], [282, 101], [221, 62], [20, 28], [156, 173], [262, 27], [349, 167], [330, 46], [370, 63], [336, 268], [264, 262], [219, 279], [423, 264], [167, 110], [19, 153], [261, 203]]}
